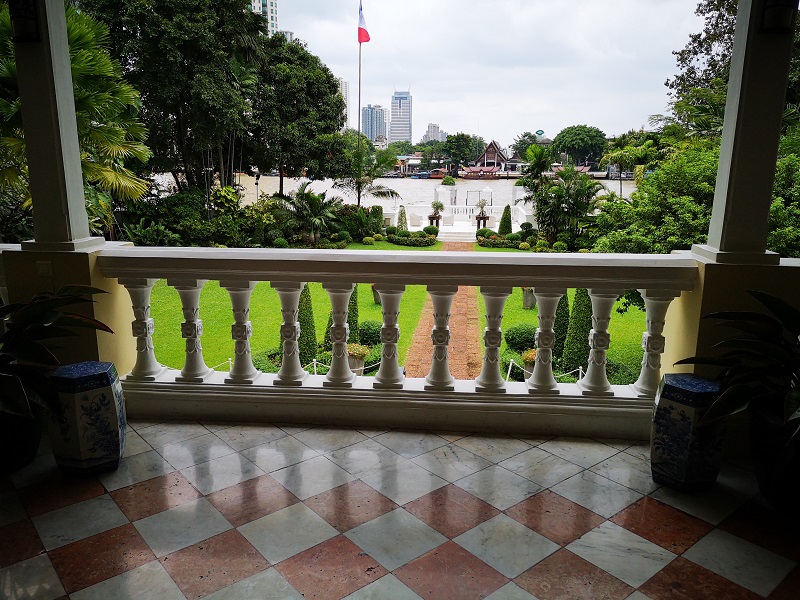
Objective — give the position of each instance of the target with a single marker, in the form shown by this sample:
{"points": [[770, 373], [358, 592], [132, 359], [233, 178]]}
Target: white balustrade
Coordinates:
{"points": [[542, 381], [656, 303], [291, 372], [595, 381], [242, 370], [146, 368], [194, 369], [439, 377], [339, 374], [390, 375], [491, 378]]}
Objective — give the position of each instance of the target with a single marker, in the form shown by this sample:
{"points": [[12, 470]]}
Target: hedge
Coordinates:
{"points": [[560, 327], [308, 333], [416, 242], [576, 346], [369, 333], [521, 337], [352, 317]]}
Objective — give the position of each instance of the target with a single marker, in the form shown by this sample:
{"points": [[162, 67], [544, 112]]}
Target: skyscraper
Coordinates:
{"points": [[434, 134], [400, 128], [374, 121], [344, 88], [269, 9]]}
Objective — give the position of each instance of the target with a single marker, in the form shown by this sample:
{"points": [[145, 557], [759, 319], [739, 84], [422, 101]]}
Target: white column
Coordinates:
{"points": [[147, 368], [439, 377], [542, 380], [291, 371], [243, 370], [595, 381], [340, 374], [389, 374], [656, 303], [194, 368], [491, 379]]}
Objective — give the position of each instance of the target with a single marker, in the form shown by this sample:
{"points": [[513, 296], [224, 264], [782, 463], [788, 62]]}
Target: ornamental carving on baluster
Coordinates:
{"points": [[290, 333], [241, 334], [545, 342], [339, 335], [390, 336], [191, 332], [441, 340], [492, 339]]}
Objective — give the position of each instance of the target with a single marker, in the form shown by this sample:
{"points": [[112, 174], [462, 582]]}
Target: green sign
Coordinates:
{"points": [[540, 132]]}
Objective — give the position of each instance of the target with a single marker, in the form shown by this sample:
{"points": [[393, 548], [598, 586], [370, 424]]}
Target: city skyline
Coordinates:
{"points": [[401, 119]]}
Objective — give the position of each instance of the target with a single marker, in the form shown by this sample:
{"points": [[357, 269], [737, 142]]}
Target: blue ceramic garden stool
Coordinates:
{"points": [[682, 454], [88, 437]]}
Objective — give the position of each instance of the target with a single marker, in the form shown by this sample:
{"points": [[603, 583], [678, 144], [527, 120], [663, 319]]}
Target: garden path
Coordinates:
{"points": [[466, 351]]}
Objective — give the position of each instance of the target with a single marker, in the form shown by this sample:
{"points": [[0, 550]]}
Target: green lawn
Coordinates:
{"points": [[215, 311], [384, 245]]}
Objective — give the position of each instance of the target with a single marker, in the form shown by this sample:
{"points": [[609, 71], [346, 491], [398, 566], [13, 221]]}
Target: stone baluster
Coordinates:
{"points": [[242, 370], [439, 377], [194, 367], [146, 368], [656, 303], [542, 380], [339, 374], [595, 381], [389, 374], [491, 379], [291, 371]]}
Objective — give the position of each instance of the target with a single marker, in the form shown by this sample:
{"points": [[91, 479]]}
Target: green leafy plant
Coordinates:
{"points": [[521, 337], [505, 221], [576, 346], [431, 230], [437, 206], [370, 333], [448, 180]]}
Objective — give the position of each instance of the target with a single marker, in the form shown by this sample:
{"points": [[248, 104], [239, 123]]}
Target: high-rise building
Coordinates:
{"points": [[400, 128], [344, 88], [434, 134], [374, 121], [269, 9]]}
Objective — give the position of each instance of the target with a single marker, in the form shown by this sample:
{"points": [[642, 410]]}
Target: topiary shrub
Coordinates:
{"points": [[369, 333], [326, 339], [345, 236], [521, 337], [368, 241], [272, 235], [431, 230], [377, 237], [352, 316], [403, 233], [532, 240], [560, 327], [402, 219], [513, 237], [560, 247], [484, 232], [280, 243], [376, 217], [524, 246], [505, 221], [414, 241], [391, 230], [526, 228], [308, 333], [576, 346], [418, 234]]}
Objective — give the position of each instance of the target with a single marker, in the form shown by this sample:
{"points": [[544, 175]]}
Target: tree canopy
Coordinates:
{"points": [[523, 141], [582, 143]]}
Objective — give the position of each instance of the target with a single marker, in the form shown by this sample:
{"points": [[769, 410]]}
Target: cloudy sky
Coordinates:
{"points": [[501, 67]]}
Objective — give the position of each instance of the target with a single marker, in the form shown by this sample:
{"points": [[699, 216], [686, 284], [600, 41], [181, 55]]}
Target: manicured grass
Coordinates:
{"points": [[478, 248], [384, 245], [215, 312]]}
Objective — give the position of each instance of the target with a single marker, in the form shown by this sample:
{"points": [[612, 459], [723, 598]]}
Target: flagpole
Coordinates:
{"points": [[358, 144]]}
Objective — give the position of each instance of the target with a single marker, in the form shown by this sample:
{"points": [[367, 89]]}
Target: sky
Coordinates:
{"points": [[502, 67]]}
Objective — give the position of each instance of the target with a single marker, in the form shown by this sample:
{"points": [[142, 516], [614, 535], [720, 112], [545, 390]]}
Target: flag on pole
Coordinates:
{"points": [[363, 35]]}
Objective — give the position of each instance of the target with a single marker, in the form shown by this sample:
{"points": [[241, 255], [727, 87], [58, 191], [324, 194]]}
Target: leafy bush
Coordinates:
{"points": [[272, 235], [332, 245], [352, 317], [376, 218], [431, 230], [391, 230], [524, 246], [377, 237], [619, 374], [505, 221], [526, 227], [560, 247], [521, 337], [308, 334], [513, 237], [576, 346], [497, 242], [532, 240], [372, 362], [224, 200], [368, 241], [154, 234], [484, 232], [324, 360], [280, 243], [415, 242], [262, 362], [560, 327], [403, 233], [345, 236], [369, 333], [542, 244], [448, 180], [517, 371], [418, 234]]}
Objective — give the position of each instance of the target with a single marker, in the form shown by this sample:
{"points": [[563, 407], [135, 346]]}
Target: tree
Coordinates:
{"points": [[402, 148], [311, 213], [297, 110], [582, 143], [533, 174], [363, 165], [576, 346], [524, 141], [505, 221], [109, 132], [194, 63], [463, 148]]}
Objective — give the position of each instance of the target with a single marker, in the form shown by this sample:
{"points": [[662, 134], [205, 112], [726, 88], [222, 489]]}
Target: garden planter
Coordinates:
{"points": [[776, 462], [88, 436], [528, 298], [356, 365], [682, 454]]}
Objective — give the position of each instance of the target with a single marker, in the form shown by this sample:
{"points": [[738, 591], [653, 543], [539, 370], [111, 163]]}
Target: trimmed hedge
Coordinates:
{"points": [[521, 337], [368, 241], [505, 221], [370, 333], [524, 246], [431, 230], [576, 346], [484, 232], [560, 327], [497, 243], [352, 317], [262, 362], [308, 333], [391, 230], [372, 361], [280, 243], [415, 242], [526, 227], [403, 233], [513, 237]]}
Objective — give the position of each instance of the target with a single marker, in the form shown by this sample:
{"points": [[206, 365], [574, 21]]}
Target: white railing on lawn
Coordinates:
{"points": [[489, 402]]}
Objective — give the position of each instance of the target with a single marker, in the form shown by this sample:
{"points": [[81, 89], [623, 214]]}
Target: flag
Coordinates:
{"points": [[363, 35]]}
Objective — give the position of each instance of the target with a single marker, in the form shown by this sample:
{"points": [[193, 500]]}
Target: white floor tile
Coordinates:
{"points": [[287, 532], [581, 451], [181, 526], [135, 469], [506, 545], [629, 470], [267, 585], [134, 444], [403, 482], [170, 433], [220, 473], [499, 487], [750, 566], [323, 439], [32, 579], [386, 588], [411, 443], [712, 505], [541, 467], [493, 448], [510, 591], [279, 454], [145, 582], [312, 477], [395, 538], [78, 521], [241, 437], [451, 462], [625, 555], [598, 494], [195, 451], [365, 457]]}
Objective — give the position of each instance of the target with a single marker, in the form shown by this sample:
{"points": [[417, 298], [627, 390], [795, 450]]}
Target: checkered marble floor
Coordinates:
{"points": [[228, 511]]}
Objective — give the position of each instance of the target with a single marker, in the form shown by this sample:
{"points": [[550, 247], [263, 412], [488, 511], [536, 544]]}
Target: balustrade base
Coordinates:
{"points": [[532, 389], [414, 406], [340, 383], [154, 376], [432, 387], [199, 378], [290, 382], [588, 390], [388, 386]]}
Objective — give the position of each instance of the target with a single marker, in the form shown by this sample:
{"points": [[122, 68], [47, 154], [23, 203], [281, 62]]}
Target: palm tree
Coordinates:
{"points": [[566, 205], [366, 169], [308, 212]]}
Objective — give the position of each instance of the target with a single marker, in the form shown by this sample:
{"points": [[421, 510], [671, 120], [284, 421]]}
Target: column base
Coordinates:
{"points": [[533, 389], [593, 391], [444, 387], [89, 243], [340, 383], [291, 382], [199, 378], [153, 376], [397, 385], [736, 258]]}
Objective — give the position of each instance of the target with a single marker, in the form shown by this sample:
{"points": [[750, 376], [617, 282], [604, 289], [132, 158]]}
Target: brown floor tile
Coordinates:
{"points": [[213, 564], [449, 572], [252, 499], [684, 580], [663, 525], [565, 576], [154, 495], [331, 570], [350, 505], [19, 541], [787, 589], [555, 517], [100, 557], [451, 511], [58, 493], [757, 524]]}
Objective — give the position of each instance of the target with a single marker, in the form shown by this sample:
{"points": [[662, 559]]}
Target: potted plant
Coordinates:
{"points": [[26, 360], [760, 375], [529, 360], [436, 215], [356, 353]]}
